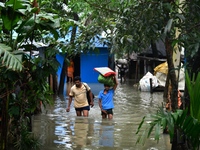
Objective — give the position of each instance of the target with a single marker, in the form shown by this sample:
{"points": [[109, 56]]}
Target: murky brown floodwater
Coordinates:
{"points": [[58, 129]]}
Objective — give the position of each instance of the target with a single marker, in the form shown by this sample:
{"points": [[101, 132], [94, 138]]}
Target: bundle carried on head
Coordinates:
{"points": [[106, 80], [105, 75]]}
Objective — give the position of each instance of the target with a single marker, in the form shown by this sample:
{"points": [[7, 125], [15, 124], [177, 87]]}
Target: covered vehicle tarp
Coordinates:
{"points": [[161, 72]]}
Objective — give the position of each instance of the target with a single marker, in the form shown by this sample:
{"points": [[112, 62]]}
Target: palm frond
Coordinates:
{"points": [[186, 124], [193, 86], [12, 60]]}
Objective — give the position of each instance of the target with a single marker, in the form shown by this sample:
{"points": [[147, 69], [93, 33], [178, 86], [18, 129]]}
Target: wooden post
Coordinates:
{"points": [[151, 88]]}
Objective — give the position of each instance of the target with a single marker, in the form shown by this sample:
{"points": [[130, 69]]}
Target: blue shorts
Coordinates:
{"points": [[83, 108]]}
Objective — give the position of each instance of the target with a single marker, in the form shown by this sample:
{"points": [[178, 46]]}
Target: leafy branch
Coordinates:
{"points": [[12, 60]]}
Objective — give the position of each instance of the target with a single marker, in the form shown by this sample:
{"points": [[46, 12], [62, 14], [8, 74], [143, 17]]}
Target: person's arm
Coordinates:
{"points": [[100, 106], [69, 103], [116, 83], [99, 102], [92, 99], [118, 66]]}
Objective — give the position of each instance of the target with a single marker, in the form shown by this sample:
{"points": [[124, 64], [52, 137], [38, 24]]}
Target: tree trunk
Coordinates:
{"points": [[165, 94], [63, 72], [55, 84], [172, 74], [178, 142], [174, 85], [4, 125]]}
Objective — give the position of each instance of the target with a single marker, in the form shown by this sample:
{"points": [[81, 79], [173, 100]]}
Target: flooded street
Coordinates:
{"points": [[58, 129]]}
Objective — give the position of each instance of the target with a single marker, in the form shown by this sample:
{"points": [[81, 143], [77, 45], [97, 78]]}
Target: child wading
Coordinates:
{"points": [[106, 103]]}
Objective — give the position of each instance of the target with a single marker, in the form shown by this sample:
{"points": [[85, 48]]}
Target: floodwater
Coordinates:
{"points": [[61, 130]]}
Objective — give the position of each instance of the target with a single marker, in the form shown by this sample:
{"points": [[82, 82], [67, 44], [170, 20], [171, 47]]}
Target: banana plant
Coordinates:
{"points": [[10, 59], [20, 26], [11, 14]]}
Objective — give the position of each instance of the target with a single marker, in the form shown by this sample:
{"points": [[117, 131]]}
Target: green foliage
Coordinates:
{"points": [[193, 86], [12, 60], [12, 12], [27, 139], [20, 26], [23, 77], [190, 27], [27, 90], [178, 120]]}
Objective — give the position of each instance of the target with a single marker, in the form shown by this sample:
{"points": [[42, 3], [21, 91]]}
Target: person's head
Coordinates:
{"points": [[77, 81], [106, 86]]}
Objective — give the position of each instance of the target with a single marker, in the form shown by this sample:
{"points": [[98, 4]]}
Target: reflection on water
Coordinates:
{"points": [[106, 134], [58, 129], [80, 132]]}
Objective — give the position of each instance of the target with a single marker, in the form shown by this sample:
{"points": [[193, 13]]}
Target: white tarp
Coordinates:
{"points": [[144, 83]]}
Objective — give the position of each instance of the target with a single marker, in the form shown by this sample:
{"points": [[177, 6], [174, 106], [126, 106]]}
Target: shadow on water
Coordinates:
{"points": [[58, 129]]}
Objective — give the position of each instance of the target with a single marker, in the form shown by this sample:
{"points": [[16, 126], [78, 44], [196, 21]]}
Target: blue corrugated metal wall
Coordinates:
{"points": [[90, 61]]}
